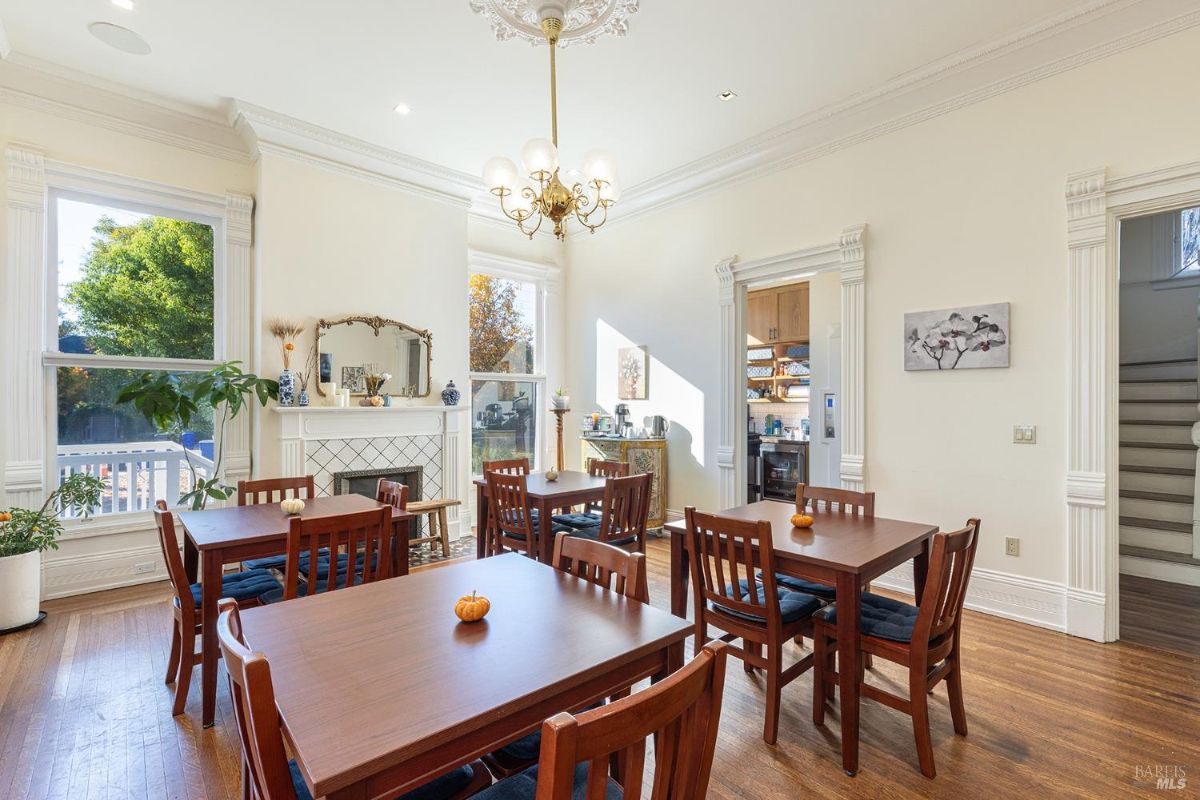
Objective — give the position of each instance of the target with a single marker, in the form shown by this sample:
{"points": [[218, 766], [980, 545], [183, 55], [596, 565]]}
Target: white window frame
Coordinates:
{"points": [[29, 308], [544, 278]]}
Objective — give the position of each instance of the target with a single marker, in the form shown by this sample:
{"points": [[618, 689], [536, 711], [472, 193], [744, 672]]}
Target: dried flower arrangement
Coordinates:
{"points": [[310, 369], [287, 333]]}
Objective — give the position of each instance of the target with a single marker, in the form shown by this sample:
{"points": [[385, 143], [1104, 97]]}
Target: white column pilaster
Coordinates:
{"points": [[236, 317], [854, 367], [732, 401]]}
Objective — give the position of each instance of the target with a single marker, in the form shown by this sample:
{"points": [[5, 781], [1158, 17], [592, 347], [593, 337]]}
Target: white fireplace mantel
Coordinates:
{"points": [[309, 432]]}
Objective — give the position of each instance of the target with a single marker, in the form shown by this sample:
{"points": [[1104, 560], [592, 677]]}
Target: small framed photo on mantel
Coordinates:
{"points": [[966, 337]]}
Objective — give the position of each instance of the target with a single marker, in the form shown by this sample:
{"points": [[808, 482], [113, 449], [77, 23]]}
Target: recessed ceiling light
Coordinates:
{"points": [[402, 108], [122, 39], [124, 5], [728, 94]]}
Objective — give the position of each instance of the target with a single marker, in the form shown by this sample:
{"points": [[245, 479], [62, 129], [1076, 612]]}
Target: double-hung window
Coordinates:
{"points": [[508, 381], [132, 289]]}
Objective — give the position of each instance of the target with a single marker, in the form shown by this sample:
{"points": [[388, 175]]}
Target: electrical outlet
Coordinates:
{"points": [[143, 567], [1012, 546], [1024, 434]]}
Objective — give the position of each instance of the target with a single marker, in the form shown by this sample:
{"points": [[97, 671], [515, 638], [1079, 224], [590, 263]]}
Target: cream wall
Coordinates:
{"points": [[964, 208]]}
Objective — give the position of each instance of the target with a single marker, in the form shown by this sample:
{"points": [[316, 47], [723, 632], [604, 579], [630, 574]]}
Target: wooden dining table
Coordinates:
{"points": [[571, 488], [380, 688], [840, 550], [219, 536]]}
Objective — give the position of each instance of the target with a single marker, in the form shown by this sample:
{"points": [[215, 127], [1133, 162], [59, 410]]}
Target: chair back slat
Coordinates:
{"points": [[625, 508], [164, 520], [600, 468], [363, 536], [834, 501], [507, 466], [272, 490], [951, 560], [682, 712], [254, 711], [510, 515], [602, 564], [725, 555], [394, 493]]}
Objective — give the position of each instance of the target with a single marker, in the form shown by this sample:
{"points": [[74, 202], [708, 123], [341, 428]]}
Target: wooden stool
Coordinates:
{"points": [[439, 529]]}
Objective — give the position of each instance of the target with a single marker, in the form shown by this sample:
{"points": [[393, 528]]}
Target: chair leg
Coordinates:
{"points": [[247, 792], [187, 662], [173, 659], [700, 638], [919, 702], [774, 693], [754, 649], [444, 525], [954, 689], [820, 664]]}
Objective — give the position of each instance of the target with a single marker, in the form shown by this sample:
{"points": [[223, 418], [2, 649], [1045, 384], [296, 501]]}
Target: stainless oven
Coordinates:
{"points": [[784, 464]]}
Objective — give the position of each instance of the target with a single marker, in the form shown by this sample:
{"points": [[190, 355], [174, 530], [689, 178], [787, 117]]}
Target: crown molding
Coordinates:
{"points": [[50, 89], [267, 131], [1083, 34]]}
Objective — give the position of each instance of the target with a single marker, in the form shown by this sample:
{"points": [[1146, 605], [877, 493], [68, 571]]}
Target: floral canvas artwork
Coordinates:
{"points": [[969, 337], [632, 366]]}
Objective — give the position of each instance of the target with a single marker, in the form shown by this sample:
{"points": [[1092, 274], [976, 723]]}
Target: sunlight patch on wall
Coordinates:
{"points": [[668, 393]]}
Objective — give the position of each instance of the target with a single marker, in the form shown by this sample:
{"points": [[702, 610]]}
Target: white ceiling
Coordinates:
{"points": [[650, 98]]}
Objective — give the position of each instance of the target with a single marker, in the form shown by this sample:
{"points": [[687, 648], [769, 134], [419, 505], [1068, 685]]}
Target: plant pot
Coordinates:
{"points": [[561, 401], [20, 589]]}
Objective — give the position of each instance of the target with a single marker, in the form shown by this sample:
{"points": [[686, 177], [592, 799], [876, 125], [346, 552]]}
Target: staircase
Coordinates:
{"points": [[1158, 470]]}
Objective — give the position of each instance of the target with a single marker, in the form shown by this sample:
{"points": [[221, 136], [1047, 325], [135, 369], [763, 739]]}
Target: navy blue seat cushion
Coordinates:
{"points": [[276, 595], [242, 585], [881, 617], [342, 560], [809, 587], [577, 520], [594, 535], [523, 786], [441, 788], [267, 562], [528, 747], [792, 605], [555, 529]]}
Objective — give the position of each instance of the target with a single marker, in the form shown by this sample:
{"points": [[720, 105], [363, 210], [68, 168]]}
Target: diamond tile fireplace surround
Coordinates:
{"points": [[323, 441]]}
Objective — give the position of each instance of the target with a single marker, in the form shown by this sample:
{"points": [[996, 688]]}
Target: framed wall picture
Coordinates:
{"points": [[967, 337], [632, 367], [354, 379]]}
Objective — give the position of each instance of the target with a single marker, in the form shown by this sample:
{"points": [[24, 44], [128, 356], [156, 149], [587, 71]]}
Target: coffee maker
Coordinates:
{"points": [[621, 414]]}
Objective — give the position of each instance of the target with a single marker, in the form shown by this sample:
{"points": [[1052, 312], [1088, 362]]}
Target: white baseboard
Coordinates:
{"points": [[1171, 571], [1029, 600], [96, 572]]}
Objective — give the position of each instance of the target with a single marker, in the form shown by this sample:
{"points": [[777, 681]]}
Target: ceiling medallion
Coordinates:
{"points": [[584, 21]]}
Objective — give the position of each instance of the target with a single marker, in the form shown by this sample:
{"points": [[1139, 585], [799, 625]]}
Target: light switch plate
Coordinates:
{"points": [[1024, 434]]}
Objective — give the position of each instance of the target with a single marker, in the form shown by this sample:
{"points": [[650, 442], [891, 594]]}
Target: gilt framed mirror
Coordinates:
{"points": [[346, 350]]}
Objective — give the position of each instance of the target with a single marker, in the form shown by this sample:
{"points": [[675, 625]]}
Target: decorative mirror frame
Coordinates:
{"points": [[377, 324]]}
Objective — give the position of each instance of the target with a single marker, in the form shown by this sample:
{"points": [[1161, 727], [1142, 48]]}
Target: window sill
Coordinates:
{"points": [[107, 525], [1181, 281]]}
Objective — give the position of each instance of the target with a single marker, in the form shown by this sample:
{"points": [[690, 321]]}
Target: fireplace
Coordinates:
{"points": [[365, 481]]}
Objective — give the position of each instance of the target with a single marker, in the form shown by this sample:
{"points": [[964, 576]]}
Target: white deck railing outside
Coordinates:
{"points": [[136, 474]]}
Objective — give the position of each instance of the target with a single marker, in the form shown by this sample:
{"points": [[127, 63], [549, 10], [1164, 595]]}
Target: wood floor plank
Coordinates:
{"points": [[84, 713]]}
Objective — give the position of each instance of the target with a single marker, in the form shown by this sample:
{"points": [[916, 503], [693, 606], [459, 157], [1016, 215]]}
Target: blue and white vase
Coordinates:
{"points": [[287, 388], [450, 395], [303, 401]]}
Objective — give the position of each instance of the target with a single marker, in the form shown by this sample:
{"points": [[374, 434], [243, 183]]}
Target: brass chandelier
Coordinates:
{"points": [[544, 194]]}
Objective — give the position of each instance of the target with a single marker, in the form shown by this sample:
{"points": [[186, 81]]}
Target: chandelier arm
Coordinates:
{"points": [[584, 219], [536, 228], [518, 215]]}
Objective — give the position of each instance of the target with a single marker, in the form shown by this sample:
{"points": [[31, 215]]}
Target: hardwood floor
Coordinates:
{"points": [[1160, 614], [84, 713]]}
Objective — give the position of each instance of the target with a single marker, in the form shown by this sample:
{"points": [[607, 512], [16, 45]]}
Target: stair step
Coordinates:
{"points": [[1148, 481], [1157, 524], [1159, 362], [1155, 539], [1162, 371], [1161, 497], [1156, 431], [1159, 380], [1159, 555], [1158, 445], [1186, 423], [1157, 470]]}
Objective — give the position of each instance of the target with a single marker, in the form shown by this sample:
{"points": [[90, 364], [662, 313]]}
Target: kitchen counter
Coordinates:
{"points": [[775, 439]]}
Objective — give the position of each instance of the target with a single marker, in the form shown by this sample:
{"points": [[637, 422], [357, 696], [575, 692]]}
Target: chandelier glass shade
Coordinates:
{"points": [[531, 197]]}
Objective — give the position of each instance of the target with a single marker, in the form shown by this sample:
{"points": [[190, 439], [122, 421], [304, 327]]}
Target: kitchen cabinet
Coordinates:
{"points": [[778, 315]]}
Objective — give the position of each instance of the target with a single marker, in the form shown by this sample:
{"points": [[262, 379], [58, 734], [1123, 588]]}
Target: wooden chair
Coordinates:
{"points": [[623, 513], [336, 552], [682, 713], [726, 555], [827, 501], [590, 516], [924, 638], [272, 490], [510, 519], [602, 564], [267, 774], [508, 466], [611, 568], [244, 587]]}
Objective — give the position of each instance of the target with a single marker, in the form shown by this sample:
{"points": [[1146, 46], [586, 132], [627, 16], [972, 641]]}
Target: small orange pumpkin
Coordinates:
{"points": [[802, 520], [473, 608]]}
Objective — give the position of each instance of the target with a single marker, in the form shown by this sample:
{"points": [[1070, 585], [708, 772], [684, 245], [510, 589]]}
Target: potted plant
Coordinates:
{"points": [[561, 399], [24, 534], [169, 401]]}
